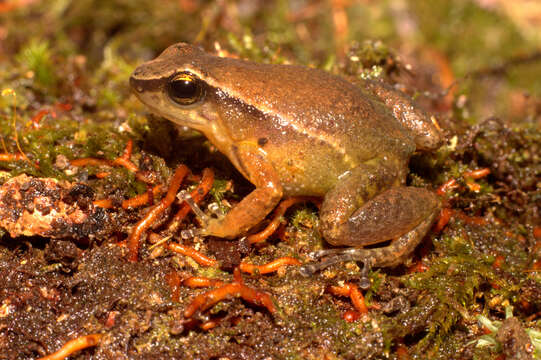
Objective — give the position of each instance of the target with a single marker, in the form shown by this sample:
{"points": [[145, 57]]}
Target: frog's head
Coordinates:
{"points": [[173, 85]]}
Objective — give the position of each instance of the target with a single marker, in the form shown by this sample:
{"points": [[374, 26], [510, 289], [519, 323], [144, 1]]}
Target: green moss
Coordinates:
{"points": [[36, 56], [81, 53]]}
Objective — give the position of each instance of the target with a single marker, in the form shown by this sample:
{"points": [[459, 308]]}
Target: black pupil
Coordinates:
{"points": [[184, 89]]}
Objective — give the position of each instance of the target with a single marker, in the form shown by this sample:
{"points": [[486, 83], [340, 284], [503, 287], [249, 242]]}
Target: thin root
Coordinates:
{"points": [[145, 223], [277, 217], [234, 289], [269, 267], [123, 160], [73, 346], [352, 291], [191, 252]]}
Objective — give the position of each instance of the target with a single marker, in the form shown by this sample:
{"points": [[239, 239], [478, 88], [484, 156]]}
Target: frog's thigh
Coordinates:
{"points": [[254, 207], [391, 255], [389, 215], [351, 192]]}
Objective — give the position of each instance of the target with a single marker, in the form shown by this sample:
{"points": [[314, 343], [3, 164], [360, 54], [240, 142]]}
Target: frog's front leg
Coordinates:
{"points": [[251, 161]]}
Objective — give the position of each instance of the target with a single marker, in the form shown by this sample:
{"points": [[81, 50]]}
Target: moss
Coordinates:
{"points": [[74, 58], [36, 56]]}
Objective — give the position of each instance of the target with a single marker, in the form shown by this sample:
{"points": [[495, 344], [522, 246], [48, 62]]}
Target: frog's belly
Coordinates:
{"points": [[308, 171]]}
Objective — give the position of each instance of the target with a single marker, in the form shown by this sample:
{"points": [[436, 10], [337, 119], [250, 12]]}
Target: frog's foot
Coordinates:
{"points": [[187, 198], [338, 256], [388, 256], [203, 218]]}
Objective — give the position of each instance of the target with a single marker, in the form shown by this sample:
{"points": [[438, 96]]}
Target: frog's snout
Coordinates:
{"points": [[136, 85]]}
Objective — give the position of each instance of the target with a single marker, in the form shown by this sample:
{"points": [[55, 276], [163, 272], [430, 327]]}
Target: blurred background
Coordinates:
{"points": [[478, 57]]}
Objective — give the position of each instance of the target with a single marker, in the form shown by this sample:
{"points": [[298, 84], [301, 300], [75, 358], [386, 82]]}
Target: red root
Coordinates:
{"points": [[73, 346], [145, 223], [269, 267], [276, 219], [191, 252], [352, 291], [233, 289]]}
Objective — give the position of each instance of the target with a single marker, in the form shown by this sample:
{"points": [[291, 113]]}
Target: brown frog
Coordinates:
{"points": [[293, 130]]}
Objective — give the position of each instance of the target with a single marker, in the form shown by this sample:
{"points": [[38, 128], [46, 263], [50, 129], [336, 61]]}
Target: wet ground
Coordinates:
{"points": [[470, 290]]}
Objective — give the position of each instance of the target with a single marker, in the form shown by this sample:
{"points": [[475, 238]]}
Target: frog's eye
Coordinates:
{"points": [[185, 89]]}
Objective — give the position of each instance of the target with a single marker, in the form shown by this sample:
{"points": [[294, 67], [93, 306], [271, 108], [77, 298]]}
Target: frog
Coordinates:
{"points": [[293, 130]]}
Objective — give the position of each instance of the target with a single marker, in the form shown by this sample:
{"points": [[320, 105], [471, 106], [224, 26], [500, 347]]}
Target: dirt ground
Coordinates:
{"points": [[76, 145]]}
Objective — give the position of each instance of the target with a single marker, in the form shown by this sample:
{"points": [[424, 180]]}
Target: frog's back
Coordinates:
{"points": [[323, 106]]}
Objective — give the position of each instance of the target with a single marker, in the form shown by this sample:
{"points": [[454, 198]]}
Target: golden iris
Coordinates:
{"points": [[185, 89]]}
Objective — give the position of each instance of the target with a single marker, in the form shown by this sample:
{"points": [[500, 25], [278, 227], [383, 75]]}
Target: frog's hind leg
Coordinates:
{"points": [[391, 255], [386, 216], [354, 190], [401, 213]]}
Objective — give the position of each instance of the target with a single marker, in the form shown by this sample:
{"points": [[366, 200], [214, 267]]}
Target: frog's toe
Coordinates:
{"points": [[187, 198], [210, 225], [218, 227], [338, 256], [216, 210], [191, 233], [318, 254], [335, 256], [387, 256], [309, 269]]}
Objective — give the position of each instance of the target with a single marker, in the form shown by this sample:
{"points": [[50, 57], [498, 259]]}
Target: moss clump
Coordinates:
{"points": [[37, 57]]}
